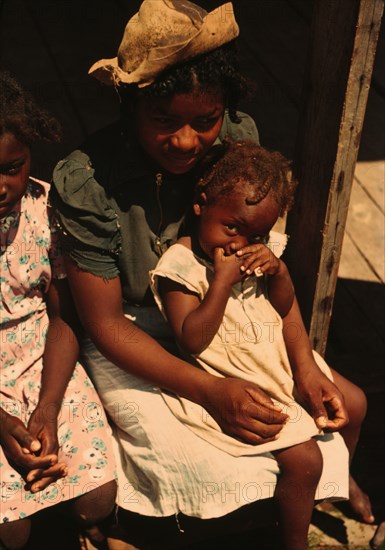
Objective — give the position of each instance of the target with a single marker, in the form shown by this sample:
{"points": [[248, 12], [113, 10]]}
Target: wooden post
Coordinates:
{"points": [[336, 86]]}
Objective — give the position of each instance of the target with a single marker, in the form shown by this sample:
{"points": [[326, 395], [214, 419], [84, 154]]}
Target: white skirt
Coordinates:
{"points": [[164, 468]]}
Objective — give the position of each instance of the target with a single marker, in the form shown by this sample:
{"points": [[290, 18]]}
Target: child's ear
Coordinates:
{"points": [[197, 209], [200, 201]]}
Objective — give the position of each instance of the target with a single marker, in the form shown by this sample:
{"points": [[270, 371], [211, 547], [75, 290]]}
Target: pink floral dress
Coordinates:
{"points": [[29, 259]]}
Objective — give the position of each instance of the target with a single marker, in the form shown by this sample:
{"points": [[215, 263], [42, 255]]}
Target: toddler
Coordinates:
{"points": [[231, 305]]}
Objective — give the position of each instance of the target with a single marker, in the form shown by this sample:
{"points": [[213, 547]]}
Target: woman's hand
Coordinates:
{"points": [[24, 449], [243, 411], [322, 398], [42, 426]]}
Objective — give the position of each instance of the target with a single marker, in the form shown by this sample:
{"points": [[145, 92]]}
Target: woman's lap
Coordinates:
{"points": [[164, 468]]}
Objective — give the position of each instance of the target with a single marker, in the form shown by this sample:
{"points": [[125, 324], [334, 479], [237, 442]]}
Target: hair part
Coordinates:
{"points": [[216, 71], [253, 169], [21, 116]]}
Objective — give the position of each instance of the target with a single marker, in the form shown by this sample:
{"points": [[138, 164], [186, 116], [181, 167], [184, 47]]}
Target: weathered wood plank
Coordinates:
{"points": [[379, 70], [269, 107], [276, 66], [373, 135], [365, 226], [283, 56], [371, 177], [75, 35], [303, 7], [352, 264], [344, 38], [361, 323], [56, 44]]}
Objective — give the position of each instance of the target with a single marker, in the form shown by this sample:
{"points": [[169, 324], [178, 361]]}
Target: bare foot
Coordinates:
{"points": [[359, 502], [379, 536], [93, 539], [117, 539]]}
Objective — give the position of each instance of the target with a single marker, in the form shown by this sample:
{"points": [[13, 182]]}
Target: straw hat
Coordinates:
{"points": [[162, 34]]}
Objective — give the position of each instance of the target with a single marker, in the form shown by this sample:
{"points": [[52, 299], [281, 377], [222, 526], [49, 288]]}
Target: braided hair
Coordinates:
{"points": [[217, 70], [256, 170]]}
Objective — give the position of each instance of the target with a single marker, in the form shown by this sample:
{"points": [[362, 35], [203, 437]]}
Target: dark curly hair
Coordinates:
{"points": [[215, 70], [21, 116], [255, 169]]}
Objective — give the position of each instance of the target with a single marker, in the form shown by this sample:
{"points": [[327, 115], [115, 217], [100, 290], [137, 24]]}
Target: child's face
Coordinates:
{"points": [[15, 161], [232, 224], [176, 132]]}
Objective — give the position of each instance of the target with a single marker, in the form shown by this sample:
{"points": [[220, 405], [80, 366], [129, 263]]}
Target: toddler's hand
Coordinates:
{"points": [[228, 268], [323, 399], [259, 258]]}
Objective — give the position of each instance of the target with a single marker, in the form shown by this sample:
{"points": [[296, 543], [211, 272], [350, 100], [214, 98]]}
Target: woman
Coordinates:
{"points": [[120, 202]]}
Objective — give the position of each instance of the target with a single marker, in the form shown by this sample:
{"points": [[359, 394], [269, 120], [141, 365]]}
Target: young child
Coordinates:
{"points": [[55, 439], [231, 305]]}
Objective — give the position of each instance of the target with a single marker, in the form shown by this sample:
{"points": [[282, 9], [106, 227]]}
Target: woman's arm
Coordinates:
{"points": [[325, 401], [194, 323], [281, 289], [241, 409]]}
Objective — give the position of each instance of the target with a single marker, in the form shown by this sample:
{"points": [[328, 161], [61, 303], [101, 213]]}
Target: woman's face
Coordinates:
{"points": [[232, 224], [177, 131], [15, 161]]}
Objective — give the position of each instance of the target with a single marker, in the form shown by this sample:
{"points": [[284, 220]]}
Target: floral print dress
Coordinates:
{"points": [[29, 259]]}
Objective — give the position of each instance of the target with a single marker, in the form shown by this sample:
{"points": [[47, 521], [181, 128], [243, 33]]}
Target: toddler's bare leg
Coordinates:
{"points": [[356, 404], [301, 468], [15, 534]]}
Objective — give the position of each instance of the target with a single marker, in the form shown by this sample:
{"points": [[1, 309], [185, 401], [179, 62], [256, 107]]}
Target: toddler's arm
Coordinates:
{"points": [[59, 359], [194, 322], [260, 259], [324, 400]]}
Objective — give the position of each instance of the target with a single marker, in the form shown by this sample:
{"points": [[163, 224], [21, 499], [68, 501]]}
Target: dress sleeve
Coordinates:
{"points": [[55, 254], [277, 243], [244, 130], [85, 219], [178, 264]]}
